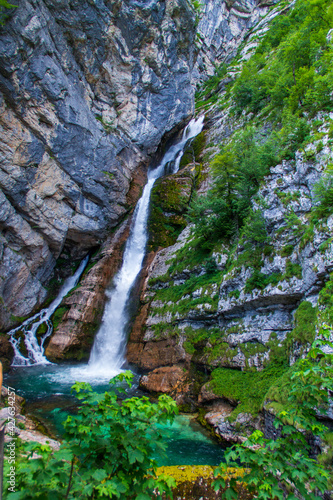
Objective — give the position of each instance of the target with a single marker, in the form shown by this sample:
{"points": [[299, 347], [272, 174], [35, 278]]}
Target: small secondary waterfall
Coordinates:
{"points": [[30, 326], [108, 352]]}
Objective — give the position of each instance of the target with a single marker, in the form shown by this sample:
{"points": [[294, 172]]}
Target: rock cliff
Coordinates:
{"points": [[88, 89], [87, 92], [246, 311]]}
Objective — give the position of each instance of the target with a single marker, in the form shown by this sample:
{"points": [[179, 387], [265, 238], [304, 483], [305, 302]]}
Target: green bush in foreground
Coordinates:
{"points": [[106, 451], [282, 468]]}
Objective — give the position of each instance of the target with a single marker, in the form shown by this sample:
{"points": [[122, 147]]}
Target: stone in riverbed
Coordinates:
{"points": [[164, 379]]}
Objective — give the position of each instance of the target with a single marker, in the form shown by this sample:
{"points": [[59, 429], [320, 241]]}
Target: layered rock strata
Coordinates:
{"points": [[87, 92]]}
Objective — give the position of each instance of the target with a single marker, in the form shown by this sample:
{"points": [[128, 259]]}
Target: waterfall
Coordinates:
{"points": [[29, 327], [108, 352]]}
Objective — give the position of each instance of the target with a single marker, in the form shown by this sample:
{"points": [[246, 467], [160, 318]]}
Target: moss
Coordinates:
{"points": [[248, 388], [260, 281], [287, 250], [278, 393], [325, 245], [277, 351], [326, 302], [173, 296], [169, 200], [234, 294], [41, 330], [304, 331], [164, 230], [194, 151], [194, 482], [292, 269], [164, 329], [188, 257], [251, 349], [58, 315], [221, 350]]}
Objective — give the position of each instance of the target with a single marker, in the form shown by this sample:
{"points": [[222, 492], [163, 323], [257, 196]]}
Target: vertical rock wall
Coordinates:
{"points": [[87, 91]]}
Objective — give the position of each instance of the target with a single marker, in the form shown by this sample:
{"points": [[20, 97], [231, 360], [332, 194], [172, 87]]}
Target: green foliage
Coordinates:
{"points": [[305, 325], [292, 269], [57, 316], [106, 452], [287, 250], [323, 191], [292, 67], [248, 388], [173, 296], [4, 6], [260, 281], [207, 94], [238, 170], [255, 231], [282, 468]]}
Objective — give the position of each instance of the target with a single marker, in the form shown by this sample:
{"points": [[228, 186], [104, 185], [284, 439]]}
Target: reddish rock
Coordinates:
{"points": [[206, 394], [75, 334], [164, 379], [152, 355]]}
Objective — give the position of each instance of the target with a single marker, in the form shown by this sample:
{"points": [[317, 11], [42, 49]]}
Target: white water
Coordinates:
{"points": [[108, 353], [30, 326]]}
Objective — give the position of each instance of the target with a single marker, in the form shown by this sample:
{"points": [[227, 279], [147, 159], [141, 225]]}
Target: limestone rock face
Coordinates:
{"points": [[222, 27], [231, 432], [163, 379], [87, 91]]}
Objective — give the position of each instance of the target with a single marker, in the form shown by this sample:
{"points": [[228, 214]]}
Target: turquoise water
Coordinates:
{"points": [[46, 389]]}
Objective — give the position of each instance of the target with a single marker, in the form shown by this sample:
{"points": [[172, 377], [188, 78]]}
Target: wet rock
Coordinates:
{"points": [[6, 352], [231, 432], [164, 379], [151, 355], [84, 307]]}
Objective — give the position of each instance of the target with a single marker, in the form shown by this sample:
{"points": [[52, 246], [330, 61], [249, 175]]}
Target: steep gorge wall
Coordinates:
{"points": [[219, 329], [88, 89]]}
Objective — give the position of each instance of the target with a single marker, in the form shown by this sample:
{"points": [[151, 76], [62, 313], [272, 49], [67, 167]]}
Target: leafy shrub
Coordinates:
{"points": [[282, 468], [323, 191], [106, 452]]}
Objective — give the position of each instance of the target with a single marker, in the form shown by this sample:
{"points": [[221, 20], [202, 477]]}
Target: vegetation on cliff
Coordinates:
{"points": [[275, 109], [281, 468], [287, 81]]}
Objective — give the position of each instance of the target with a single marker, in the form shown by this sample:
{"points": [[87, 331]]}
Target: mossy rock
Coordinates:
{"points": [[58, 315], [249, 388], [194, 151], [194, 482], [41, 330], [304, 331], [169, 200]]}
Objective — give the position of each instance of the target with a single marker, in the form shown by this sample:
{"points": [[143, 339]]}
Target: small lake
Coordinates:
{"points": [[46, 389]]}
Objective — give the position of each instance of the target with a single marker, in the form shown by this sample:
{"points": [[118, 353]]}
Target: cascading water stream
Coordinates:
{"points": [[30, 326], [108, 352]]}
